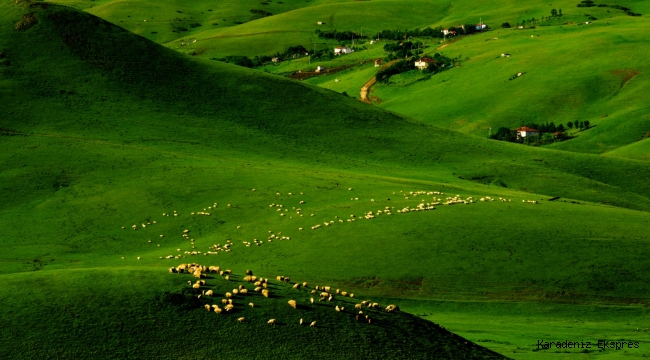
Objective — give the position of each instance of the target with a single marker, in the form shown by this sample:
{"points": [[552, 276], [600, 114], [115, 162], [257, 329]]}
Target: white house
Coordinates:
{"points": [[319, 68], [275, 59], [342, 50], [424, 63], [481, 26], [445, 31], [526, 131]]}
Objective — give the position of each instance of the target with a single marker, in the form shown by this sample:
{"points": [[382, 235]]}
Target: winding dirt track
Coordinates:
{"points": [[365, 89]]}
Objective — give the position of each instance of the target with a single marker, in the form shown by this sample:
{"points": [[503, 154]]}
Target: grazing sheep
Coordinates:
{"points": [[292, 303], [251, 304], [241, 319], [313, 324], [227, 277], [196, 286], [265, 293], [243, 291], [228, 295], [209, 293], [304, 284], [229, 307], [313, 292], [338, 291], [344, 293], [296, 286], [300, 321], [224, 301], [330, 298], [391, 308], [202, 282], [235, 291], [311, 300], [207, 307], [271, 322], [258, 289], [357, 306], [351, 295], [337, 308], [217, 310]]}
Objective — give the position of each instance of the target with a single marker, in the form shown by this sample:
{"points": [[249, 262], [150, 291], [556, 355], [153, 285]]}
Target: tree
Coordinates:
{"points": [[560, 13], [569, 125], [553, 12], [505, 25], [576, 124], [560, 128], [582, 125], [587, 123]]}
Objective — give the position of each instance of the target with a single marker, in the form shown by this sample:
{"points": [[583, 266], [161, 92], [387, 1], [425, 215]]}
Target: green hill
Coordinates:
{"points": [[106, 130]]}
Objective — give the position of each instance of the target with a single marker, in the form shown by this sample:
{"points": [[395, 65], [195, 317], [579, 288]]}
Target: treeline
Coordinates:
{"points": [[291, 53], [590, 3], [466, 29], [346, 35]]}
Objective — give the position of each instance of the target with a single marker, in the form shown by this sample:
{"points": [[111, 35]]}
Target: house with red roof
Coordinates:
{"points": [[526, 131]]}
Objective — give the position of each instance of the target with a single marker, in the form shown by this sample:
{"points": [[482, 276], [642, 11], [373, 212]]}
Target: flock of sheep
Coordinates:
{"points": [[228, 305], [283, 211]]}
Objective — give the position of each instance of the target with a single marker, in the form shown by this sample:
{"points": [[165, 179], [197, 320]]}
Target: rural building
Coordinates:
{"points": [[521, 26], [275, 59], [526, 131], [342, 50], [320, 23], [319, 68], [445, 31], [378, 62], [481, 27], [505, 55], [424, 63]]}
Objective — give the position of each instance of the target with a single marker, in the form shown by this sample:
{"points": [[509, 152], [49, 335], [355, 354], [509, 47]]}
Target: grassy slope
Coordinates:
{"points": [[599, 85], [559, 84], [101, 148], [162, 17], [276, 33], [117, 319]]}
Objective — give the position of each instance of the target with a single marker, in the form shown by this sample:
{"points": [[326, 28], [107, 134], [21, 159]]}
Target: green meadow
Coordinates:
{"points": [[103, 131]]}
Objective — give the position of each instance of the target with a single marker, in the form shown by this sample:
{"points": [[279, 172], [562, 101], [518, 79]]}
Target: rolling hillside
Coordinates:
{"points": [[106, 130]]}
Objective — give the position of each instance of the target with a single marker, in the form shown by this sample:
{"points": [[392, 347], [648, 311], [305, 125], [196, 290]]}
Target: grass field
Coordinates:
{"points": [[96, 140]]}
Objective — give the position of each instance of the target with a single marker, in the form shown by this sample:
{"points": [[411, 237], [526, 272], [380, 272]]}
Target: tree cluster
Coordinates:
{"points": [[258, 14], [397, 68], [578, 124]]}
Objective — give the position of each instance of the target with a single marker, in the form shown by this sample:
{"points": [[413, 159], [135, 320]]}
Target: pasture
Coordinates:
{"points": [[96, 140]]}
